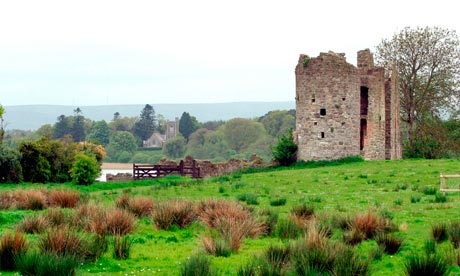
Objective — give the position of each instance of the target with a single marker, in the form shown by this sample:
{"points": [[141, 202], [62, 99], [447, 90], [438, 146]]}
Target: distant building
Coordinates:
{"points": [[157, 140], [343, 110]]}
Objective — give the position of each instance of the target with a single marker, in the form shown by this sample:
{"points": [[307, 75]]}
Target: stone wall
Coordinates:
{"points": [[343, 110]]}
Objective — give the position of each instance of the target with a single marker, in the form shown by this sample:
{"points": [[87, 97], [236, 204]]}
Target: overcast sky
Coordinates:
{"points": [[191, 51]]}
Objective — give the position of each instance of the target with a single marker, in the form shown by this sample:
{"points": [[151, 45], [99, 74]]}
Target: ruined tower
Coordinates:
{"points": [[343, 110]]}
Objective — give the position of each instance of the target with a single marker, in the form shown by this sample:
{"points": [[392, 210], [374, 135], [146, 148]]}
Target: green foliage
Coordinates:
{"points": [[10, 166], [454, 233], [278, 122], [99, 133], [78, 126], [11, 245], [390, 243], [426, 265], [175, 147], [440, 198], [197, 265], [85, 169], [240, 133], [45, 264], [278, 201], [61, 127], [250, 199], [439, 232], [285, 152], [146, 124], [121, 247], [120, 141], [188, 125]]}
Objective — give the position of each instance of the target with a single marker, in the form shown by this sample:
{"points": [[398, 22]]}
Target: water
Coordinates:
{"points": [[104, 173]]}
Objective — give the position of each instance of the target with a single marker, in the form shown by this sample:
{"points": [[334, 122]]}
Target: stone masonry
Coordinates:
{"points": [[343, 110]]}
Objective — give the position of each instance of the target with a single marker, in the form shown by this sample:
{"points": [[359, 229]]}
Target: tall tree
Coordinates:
{"points": [[99, 133], [78, 126], [187, 125], [146, 124], [2, 131], [61, 127], [428, 64], [116, 116], [240, 133]]}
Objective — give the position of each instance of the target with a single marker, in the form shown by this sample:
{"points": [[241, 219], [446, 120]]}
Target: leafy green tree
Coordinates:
{"points": [[285, 152], [146, 125], [34, 165], [99, 133], [10, 166], [121, 141], [427, 61], [122, 124], [188, 125], [85, 169], [78, 126], [2, 131], [116, 116], [61, 127], [175, 147], [278, 122], [240, 133]]}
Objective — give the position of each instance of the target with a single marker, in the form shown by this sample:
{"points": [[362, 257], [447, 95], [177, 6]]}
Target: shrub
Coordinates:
{"points": [[30, 200], [173, 212], [348, 263], [33, 224], [91, 218], [311, 260], [45, 264], [440, 198], [429, 191], [415, 199], [56, 217], [303, 212], [123, 201], [64, 198], [10, 166], [390, 243], [210, 210], [285, 152], [425, 264], [439, 232], [278, 202], [454, 233], [85, 169], [368, 224], [98, 246], [250, 199], [234, 230], [287, 229], [119, 222], [140, 206], [270, 221], [277, 256], [11, 245], [122, 246], [215, 246], [353, 236], [63, 242], [197, 265]]}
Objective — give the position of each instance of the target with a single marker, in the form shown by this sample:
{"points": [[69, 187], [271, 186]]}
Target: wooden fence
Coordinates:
{"points": [[442, 181], [156, 171]]}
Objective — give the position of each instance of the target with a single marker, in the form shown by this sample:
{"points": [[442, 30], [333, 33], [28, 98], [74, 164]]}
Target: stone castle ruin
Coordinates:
{"points": [[343, 110]]}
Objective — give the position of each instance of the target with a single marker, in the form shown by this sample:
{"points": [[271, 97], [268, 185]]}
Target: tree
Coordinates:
{"points": [[146, 125], [116, 116], [121, 141], [278, 122], [2, 131], [10, 166], [85, 169], [239, 133], [285, 152], [78, 126], [175, 147], [188, 125], [99, 133], [61, 127], [428, 64]]}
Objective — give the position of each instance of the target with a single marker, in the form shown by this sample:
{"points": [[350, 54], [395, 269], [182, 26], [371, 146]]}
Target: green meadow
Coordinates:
{"points": [[404, 191]]}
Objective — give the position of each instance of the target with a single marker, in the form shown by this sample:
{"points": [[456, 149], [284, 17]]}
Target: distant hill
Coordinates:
{"points": [[31, 117]]}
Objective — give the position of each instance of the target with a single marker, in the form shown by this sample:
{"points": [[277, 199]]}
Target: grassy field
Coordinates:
{"points": [[402, 190]]}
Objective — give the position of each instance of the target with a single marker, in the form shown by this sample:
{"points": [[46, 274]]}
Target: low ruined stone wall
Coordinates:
{"points": [[119, 177]]}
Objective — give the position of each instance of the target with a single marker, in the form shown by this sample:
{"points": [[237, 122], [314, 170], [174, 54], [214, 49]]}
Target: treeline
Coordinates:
{"points": [[123, 137]]}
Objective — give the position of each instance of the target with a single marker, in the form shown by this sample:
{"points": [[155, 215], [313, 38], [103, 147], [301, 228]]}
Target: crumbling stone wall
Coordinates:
{"points": [[343, 110]]}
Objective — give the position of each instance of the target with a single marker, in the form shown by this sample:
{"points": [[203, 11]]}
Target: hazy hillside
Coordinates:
{"points": [[34, 116]]}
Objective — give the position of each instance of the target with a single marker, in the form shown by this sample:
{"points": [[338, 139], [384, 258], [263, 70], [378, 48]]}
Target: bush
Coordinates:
{"points": [[174, 212], [278, 202], [390, 243], [119, 222], [122, 246], [439, 232], [250, 199], [45, 264], [64, 198], [215, 246], [454, 233], [85, 169], [11, 245], [440, 198], [10, 166], [197, 265], [91, 218], [348, 263], [285, 152], [63, 242], [287, 229], [429, 191], [368, 224], [425, 264], [140, 206]]}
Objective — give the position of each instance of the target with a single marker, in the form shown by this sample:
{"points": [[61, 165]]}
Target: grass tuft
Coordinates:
{"points": [[11, 245], [425, 265], [176, 212], [197, 265]]}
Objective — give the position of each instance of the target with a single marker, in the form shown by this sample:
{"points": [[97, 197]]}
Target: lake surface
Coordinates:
{"points": [[104, 173]]}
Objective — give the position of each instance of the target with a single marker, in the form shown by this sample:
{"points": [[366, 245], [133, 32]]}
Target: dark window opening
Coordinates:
{"points": [[312, 100], [362, 133], [315, 123], [364, 100], [322, 134], [322, 112], [343, 123], [343, 99]]}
